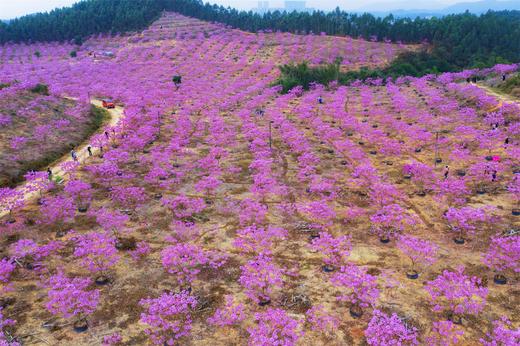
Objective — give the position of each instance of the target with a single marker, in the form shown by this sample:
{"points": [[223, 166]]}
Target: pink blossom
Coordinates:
{"points": [[274, 327], [183, 206], [334, 250], [419, 251], [444, 333], [457, 292], [113, 339], [96, 251], [503, 334], [185, 261], [259, 277], [503, 254], [358, 287], [322, 321], [7, 266], [142, 250], [69, 297], [390, 330], [230, 314], [258, 240], [168, 317]]}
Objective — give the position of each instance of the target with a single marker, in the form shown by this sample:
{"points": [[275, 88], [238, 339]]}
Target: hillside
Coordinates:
{"points": [[219, 211], [455, 42]]}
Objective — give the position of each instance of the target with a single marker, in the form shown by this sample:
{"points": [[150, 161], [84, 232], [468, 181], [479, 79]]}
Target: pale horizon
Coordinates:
{"points": [[13, 9]]}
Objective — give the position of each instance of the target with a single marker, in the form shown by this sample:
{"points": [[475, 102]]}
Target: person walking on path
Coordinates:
{"points": [[89, 149], [49, 173], [446, 172], [74, 155]]}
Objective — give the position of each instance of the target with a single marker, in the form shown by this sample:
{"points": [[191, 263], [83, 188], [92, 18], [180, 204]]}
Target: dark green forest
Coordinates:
{"points": [[456, 41]]}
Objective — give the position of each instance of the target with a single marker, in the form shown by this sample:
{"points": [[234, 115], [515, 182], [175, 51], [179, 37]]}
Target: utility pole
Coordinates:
{"points": [[436, 146], [270, 134]]}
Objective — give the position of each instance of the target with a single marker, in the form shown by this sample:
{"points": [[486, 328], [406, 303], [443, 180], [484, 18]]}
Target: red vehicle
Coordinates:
{"points": [[108, 104]]}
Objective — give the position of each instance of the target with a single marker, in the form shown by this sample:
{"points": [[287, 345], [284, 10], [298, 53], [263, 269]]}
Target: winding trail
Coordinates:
{"points": [[499, 96], [82, 154]]}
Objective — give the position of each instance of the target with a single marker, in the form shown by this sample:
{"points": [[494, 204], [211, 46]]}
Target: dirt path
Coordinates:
{"points": [[499, 96], [115, 115]]}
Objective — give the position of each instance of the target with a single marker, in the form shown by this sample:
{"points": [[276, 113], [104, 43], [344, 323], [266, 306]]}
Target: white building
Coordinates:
{"points": [[263, 7], [295, 6], [290, 6]]}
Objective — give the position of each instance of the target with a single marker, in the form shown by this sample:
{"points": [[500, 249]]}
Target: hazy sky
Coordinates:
{"points": [[15, 8]]}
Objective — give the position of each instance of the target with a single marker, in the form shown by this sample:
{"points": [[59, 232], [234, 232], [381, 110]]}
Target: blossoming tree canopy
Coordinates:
{"points": [[238, 212]]}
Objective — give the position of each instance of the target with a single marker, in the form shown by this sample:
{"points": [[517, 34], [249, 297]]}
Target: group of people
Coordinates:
{"points": [[74, 156], [487, 171]]}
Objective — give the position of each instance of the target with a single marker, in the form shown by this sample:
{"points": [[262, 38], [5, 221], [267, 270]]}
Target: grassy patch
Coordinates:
{"points": [[97, 118], [40, 89], [511, 86]]}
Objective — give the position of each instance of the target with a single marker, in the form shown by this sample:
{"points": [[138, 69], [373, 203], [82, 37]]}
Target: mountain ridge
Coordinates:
{"points": [[436, 9]]}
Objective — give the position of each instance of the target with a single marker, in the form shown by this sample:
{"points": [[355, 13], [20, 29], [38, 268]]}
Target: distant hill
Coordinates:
{"points": [[483, 6], [431, 9]]}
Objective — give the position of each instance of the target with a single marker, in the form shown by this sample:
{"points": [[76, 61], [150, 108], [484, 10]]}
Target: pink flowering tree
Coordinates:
{"points": [[514, 190], [390, 330], [320, 320], [503, 256], [37, 182], [382, 194], [274, 327], [5, 338], [208, 185], [468, 221], [230, 314], [185, 261], [96, 252], [10, 199], [184, 231], [504, 334], [444, 333], [56, 211], [111, 221], [390, 221], [259, 276], [481, 174], [258, 240], [364, 176], [184, 207], [168, 317], [251, 212], [357, 287], [335, 251], [457, 293], [30, 254], [80, 192], [141, 251], [319, 211], [69, 297], [7, 267], [112, 339], [452, 192], [422, 176], [421, 252], [128, 197]]}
